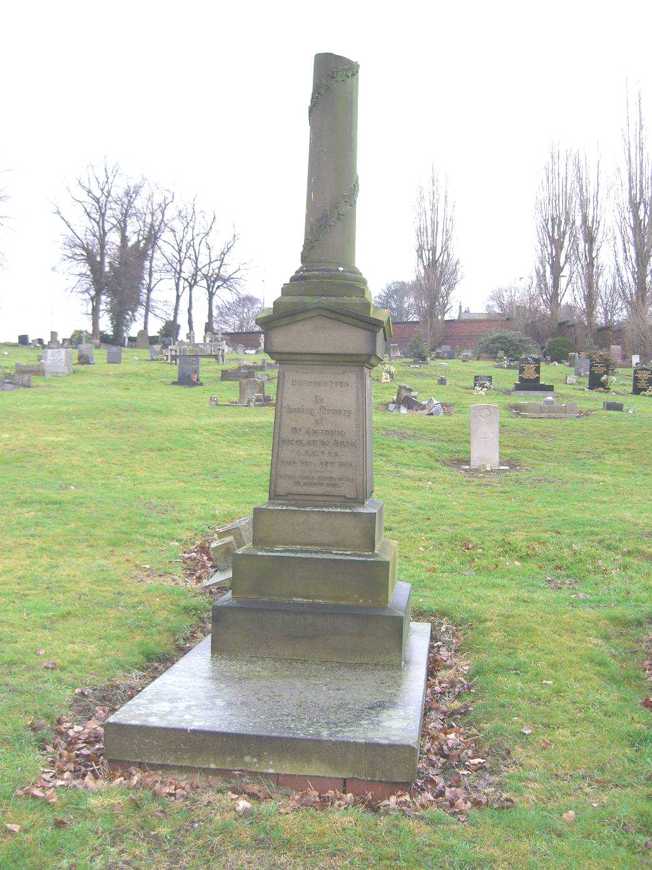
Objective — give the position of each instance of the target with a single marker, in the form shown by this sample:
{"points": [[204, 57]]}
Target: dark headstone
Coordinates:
{"points": [[114, 355], [442, 381], [641, 380], [188, 371], [613, 406], [529, 376], [23, 340], [599, 372], [86, 355], [482, 380]]}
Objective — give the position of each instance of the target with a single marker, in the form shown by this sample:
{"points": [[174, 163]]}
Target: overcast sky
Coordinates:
{"points": [[211, 99]]}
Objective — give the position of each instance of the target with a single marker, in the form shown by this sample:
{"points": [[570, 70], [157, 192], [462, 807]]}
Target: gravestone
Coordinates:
{"points": [[613, 406], [54, 339], [252, 391], [635, 360], [641, 380], [23, 340], [30, 369], [142, 339], [485, 451], [582, 366], [482, 380], [616, 354], [57, 361], [114, 355], [572, 359], [599, 372], [154, 352], [571, 379], [529, 377], [86, 355], [313, 667], [188, 371], [442, 381]]}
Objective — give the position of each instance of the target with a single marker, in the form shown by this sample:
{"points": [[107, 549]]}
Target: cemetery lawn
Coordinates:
{"points": [[106, 477]]}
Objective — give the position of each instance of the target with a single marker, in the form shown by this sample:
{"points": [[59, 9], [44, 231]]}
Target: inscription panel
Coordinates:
{"points": [[320, 434]]}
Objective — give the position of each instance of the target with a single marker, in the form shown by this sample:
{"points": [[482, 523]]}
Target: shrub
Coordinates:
{"points": [[511, 344], [558, 348], [417, 349]]}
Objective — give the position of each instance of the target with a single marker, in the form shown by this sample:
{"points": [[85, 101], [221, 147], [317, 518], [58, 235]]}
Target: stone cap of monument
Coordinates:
{"points": [[323, 328]]}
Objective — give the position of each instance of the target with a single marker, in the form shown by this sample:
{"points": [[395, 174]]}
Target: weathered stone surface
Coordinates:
{"points": [[142, 339], [485, 451], [361, 579], [30, 369], [57, 361], [350, 528], [269, 716], [86, 355], [239, 530], [312, 632], [222, 551], [114, 355], [188, 371], [322, 434]]}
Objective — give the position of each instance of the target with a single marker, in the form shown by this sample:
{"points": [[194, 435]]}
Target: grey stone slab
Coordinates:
{"points": [[485, 429], [322, 434], [274, 716], [352, 528], [313, 631], [362, 579]]}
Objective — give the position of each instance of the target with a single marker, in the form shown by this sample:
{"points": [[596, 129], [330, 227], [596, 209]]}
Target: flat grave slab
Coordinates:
{"points": [[281, 716]]}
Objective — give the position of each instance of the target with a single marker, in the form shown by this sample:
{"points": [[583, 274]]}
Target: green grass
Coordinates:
{"points": [[107, 475]]}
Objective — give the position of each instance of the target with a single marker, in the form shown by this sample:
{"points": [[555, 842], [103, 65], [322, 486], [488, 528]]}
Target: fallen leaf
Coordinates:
{"points": [[61, 823], [40, 652], [647, 703], [243, 807], [545, 743], [13, 829], [569, 817], [526, 731], [50, 666]]}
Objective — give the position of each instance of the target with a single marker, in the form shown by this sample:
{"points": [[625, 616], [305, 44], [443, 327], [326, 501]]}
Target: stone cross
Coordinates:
{"points": [[485, 436]]}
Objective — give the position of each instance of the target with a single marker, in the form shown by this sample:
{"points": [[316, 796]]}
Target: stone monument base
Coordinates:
{"points": [[540, 394], [279, 717]]}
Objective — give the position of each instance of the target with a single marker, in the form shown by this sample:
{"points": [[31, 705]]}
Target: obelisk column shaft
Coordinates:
{"points": [[329, 240]]}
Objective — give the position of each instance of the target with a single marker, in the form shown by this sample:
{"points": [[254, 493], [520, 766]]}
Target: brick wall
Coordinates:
{"points": [[459, 334]]}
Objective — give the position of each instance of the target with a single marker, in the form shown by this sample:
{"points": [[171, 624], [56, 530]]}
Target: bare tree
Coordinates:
{"points": [[183, 250], [127, 259], [634, 228], [555, 223], [610, 303], [156, 213], [219, 274], [398, 298], [87, 237], [437, 269], [589, 239], [239, 314]]}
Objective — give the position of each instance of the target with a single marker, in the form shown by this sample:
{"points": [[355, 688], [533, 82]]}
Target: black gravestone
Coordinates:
{"points": [[641, 380], [23, 340], [613, 406], [188, 371], [599, 372], [529, 376], [481, 380]]}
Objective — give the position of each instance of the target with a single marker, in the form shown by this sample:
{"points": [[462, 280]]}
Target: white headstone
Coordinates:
{"points": [[485, 451], [636, 358], [57, 361]]}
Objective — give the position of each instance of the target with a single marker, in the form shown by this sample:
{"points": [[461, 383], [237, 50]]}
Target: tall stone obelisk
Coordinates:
{"points": [[314, 667]]}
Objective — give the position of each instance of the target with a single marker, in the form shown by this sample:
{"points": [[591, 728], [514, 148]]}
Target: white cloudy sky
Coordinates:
{"points": [[211, 98]]}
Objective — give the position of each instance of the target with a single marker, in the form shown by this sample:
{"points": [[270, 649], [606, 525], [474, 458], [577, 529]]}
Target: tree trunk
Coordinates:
{"points": [[209, 317], [191, 329], [95, 316]]}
